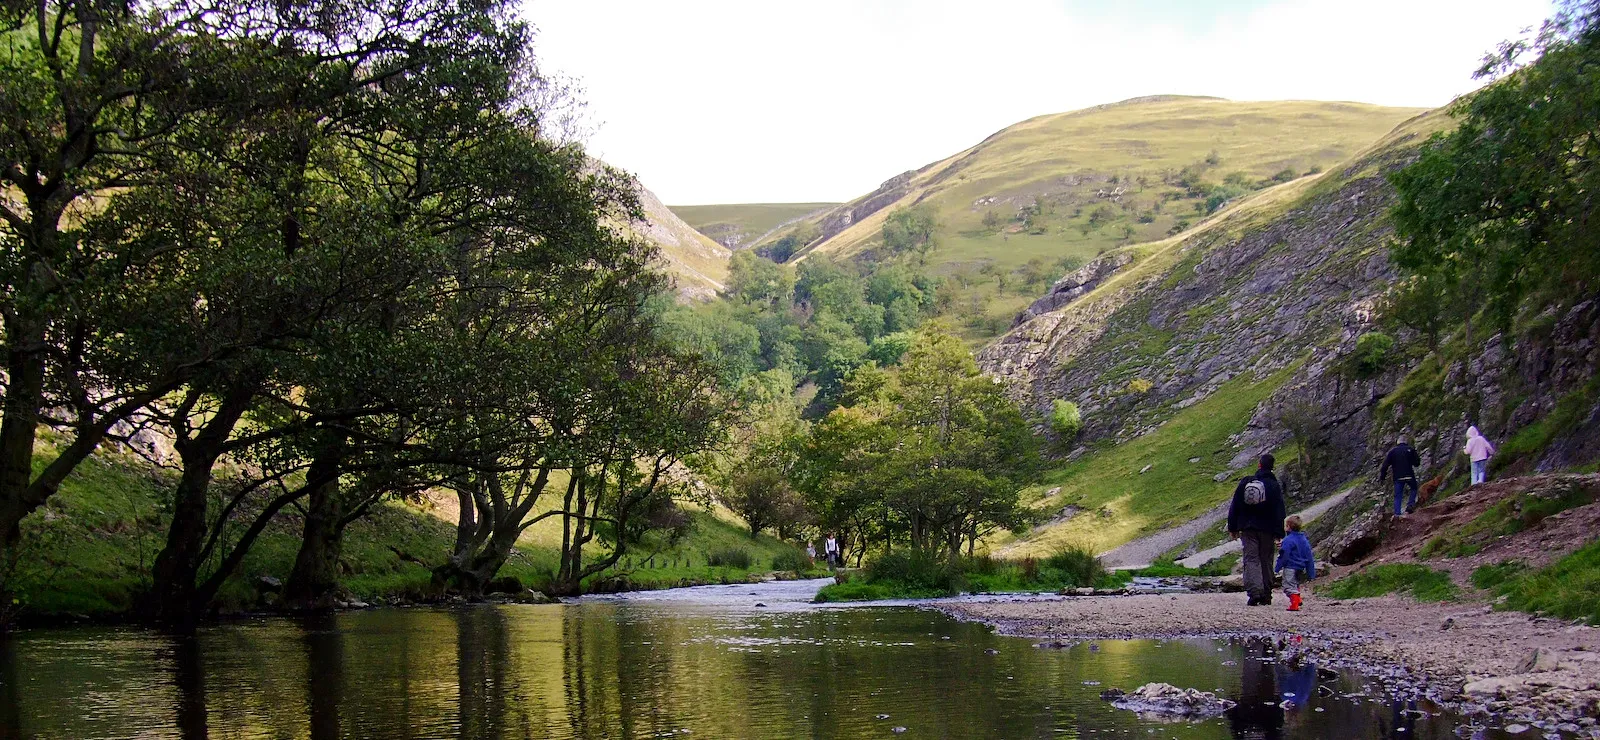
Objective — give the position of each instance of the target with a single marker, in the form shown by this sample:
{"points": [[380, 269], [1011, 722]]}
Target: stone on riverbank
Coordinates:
{"points": [[1165, 701]]}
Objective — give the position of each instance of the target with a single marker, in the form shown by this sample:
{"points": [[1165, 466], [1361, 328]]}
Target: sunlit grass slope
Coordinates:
{"points": [[1120, 492]]}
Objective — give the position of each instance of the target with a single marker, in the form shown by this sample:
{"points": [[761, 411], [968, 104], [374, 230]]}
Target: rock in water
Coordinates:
{"points": [[1163, 701]]}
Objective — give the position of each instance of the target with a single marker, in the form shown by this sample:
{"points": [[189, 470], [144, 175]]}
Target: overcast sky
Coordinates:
{"points": [[766, 101]]}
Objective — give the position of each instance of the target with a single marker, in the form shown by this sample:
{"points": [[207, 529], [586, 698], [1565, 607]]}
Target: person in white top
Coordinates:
{"points": [[1479, 449], [830, 550], [811, 549]]}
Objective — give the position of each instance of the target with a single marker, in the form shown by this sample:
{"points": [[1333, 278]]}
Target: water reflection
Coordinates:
{"points": [[627, 670]]}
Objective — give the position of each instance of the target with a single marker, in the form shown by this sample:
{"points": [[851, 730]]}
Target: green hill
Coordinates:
{"points": [[1050, 193], [741, 224]]}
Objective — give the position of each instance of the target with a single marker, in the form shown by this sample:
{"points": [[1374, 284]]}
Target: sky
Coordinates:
{"points": [[768, 101]]}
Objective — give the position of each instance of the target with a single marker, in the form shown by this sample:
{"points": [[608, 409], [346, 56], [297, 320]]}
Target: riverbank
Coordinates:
{"points": [[1504, 665]]}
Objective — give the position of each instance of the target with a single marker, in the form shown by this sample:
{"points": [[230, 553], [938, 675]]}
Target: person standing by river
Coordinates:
{"points": [[1479, 451], [830, 550], [1404, 461], [1256, 519]]}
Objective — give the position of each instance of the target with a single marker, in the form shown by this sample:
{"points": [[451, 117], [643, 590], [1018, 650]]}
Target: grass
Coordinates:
{"points": [[1422, 582], [1506, 517], [1118, 503], [1568, 588], [89, 550]]}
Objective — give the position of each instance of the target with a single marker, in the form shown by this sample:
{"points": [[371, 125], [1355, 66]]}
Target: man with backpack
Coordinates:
{"points": [[1256, 519], [1404, 461]]}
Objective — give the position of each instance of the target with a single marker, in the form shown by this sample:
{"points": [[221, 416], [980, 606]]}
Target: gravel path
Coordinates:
{"points": [[1141, 552], [1308, 515], [1503, 664]]}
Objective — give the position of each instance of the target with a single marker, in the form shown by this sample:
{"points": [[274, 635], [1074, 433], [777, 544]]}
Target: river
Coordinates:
{"points": [[713, 662]]}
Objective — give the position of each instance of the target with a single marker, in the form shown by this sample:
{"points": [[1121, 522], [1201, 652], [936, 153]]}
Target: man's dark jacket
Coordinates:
{"points": [[1266, 516], [1403, 461]]}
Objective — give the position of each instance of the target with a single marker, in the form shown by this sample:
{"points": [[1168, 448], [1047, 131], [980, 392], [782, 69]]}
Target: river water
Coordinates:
{"points": [[691, 663]]}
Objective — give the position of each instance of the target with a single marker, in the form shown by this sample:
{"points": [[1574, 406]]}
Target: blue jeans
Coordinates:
{"points": [[1480, 470], [1400, 487]]}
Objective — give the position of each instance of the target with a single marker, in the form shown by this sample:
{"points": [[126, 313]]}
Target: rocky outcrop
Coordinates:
{"points": [[1076, 284], [853, 212]]}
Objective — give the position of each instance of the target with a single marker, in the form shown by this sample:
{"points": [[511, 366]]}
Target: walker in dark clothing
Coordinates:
{"points": [[1258, 527], [1404, 461]]}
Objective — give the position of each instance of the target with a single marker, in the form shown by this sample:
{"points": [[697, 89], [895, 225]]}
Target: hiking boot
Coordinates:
{"points": [[1267, 600], [1294, 603], [1253, 601], [1411, 509]]}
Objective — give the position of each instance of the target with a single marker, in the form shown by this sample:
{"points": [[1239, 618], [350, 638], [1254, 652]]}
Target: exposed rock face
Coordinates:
{"points": [[1255, 301], [1075, 284], [697, 264], [842, 217]]}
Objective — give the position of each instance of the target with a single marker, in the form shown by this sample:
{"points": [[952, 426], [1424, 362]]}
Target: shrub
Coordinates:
{"points": [[1030, 570], [1284, 175], [1422, 582], [1372, 352], [1065, 419], [1078, 565], [984, 565], [792, 560], [915, 573], [1140, 386], [730, 557], [1315, 169]]}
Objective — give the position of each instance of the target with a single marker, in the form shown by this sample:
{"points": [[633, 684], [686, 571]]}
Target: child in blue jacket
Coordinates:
{"points": [[1295, 561]]}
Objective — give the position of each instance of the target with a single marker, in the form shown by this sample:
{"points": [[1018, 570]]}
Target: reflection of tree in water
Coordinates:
{"points": [[324, 644], [482, 656], [10, 703]]}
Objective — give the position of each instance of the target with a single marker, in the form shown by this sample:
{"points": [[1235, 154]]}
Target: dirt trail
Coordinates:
{"points": [[1307, 515], [1502, 663], [1141, 552]]}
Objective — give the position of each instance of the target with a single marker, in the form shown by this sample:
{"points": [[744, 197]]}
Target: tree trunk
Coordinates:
{"points": [[172, 598], [18, 432], [315, 578]]}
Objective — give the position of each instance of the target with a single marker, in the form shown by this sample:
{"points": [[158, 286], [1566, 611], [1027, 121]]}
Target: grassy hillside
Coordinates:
{"points": [[1056, 190], [742, 224], [1188, 322], [698, 265], [1159, 480], [89, 550]]}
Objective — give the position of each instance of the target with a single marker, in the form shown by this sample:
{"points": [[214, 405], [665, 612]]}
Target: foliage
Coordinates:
{"points": [[793, 560], [1496, 210], [1139, 386], [1167, 568], [1078, 565], [932, 457], [910, 229], [1065, 419], [1372, 353], [1422, 582]]}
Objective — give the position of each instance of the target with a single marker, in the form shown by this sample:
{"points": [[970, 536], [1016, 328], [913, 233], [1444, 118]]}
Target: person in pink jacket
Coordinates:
{"points": [[1479, 449]]}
